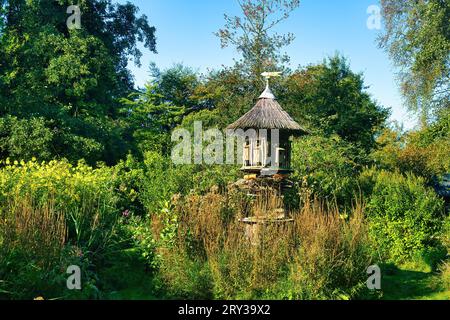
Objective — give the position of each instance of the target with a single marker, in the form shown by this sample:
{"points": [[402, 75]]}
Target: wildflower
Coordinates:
{"points": [[126, 213]]}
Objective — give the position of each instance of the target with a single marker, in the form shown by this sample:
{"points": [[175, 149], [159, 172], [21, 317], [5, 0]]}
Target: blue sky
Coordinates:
{"points": [[322, 27]]}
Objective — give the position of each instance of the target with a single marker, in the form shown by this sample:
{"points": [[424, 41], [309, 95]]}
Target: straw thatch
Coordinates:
{"points": [[267, 114]]}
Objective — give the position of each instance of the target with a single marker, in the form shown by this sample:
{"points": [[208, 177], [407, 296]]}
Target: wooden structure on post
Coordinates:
{"points": [[266, 153]]}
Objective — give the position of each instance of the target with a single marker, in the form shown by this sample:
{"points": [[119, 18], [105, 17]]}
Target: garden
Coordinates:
{"points": [[87, 177]]}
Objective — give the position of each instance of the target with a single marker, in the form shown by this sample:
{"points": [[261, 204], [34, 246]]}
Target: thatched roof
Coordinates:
{"points": [[267, 114]]}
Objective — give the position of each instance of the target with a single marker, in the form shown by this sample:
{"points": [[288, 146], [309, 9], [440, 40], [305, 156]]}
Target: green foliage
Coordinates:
{"points": [[180, 86], [445, 276], [327, 168], [186, 278], [142, 235], [85, 195], [155, 180], [407, 283], [72, 78], [251, 34], [405, 216], [153, 112], [331, 99], [423, 152], [67, 94], [24, 279], [417, 39], [53, 215], [445, 236], [150, 119], [25, 138], [159, 182]]}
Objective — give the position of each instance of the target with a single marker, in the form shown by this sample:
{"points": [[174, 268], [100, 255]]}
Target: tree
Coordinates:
{"points": [[25, 139], [251, 34], [329, 98], [180, 86], [151, 119], [230, 93], [71, 78], [2, 17], [169, 97], [417, 38]]}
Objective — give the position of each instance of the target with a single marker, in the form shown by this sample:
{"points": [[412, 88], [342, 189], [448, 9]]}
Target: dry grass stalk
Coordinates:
{"points": [[39, 232], [321, 249]]}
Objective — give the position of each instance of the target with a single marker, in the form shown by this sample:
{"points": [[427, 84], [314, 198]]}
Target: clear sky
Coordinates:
{"points": [[322, 27]]}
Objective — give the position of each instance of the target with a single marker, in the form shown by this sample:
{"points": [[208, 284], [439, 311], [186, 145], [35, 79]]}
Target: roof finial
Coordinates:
{"points": [[267, 94]]}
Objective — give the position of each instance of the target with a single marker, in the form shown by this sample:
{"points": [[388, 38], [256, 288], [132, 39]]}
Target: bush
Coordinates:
{"points": [[445, 275], [423, 153], [149, 184], [326, 167], [444, 268], [35, 253], [85, 195], [405, 216], [445, 235]]}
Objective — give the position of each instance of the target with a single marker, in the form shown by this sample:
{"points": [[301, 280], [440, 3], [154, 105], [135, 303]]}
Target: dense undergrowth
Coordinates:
{"points": [[181, 225]]}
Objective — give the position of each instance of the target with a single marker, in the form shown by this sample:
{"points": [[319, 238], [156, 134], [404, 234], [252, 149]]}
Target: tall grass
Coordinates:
{"points": [[53, 215], [32, 248], [85, 196], [319, 255], [37, 232]]}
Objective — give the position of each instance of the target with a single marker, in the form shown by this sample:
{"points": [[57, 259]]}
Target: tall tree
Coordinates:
{"points": [[252, 33], [180, 86], [329, 99], [151, 118], [72, 78], [417, 37]]}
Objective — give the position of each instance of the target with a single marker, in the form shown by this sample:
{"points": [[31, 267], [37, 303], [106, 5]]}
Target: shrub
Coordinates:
{"points": [[444, 268], [141, 233], [445, 275], [423, 153], [326, 167], [445, 235], [149, 184], [405, 216]]}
